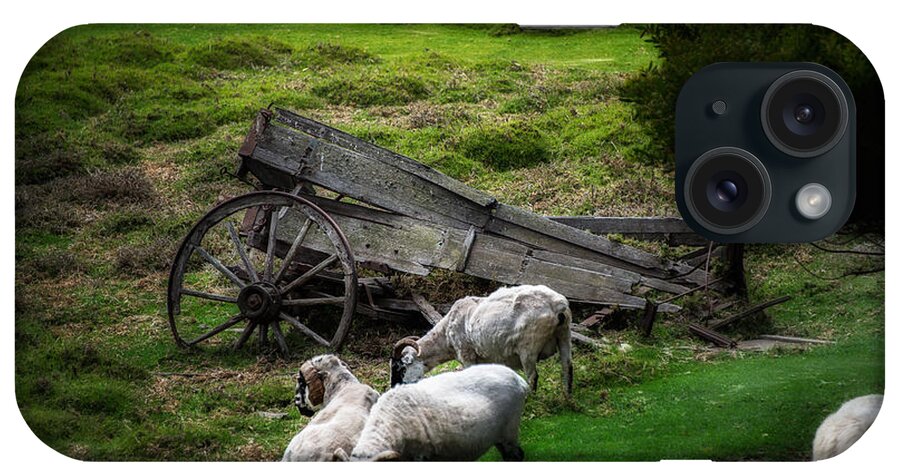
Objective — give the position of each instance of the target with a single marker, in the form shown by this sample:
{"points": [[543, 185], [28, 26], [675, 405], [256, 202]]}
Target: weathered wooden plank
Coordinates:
{"points": [[536, 268], [396, 305], [577, 283], [542, 233], [467, 248], [347, 141], [670, 230], [627, 255], [662, 285], [795, 340], [720, 340], [631, 277], [411, 249], [413, 246], [496, 259], [626, 225], [369, 180], [427, 310], [416, 247]]}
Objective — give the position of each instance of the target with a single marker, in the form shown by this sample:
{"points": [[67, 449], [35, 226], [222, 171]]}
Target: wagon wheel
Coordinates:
{"points": [[232, 271]]}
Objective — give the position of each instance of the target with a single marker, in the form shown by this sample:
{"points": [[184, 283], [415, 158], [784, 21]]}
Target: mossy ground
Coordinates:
{"points": [[121, 132]]}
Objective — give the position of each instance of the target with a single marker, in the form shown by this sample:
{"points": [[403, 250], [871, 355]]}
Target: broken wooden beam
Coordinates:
{"points": [[672, 230], [710, 335], [583, 339], [748, 312], [595, 318], [651, 307], [795, 340], [649, 317], [427, 310]]}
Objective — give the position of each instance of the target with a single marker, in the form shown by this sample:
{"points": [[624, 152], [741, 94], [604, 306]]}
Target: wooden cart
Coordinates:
{"points": [[329, 205]]}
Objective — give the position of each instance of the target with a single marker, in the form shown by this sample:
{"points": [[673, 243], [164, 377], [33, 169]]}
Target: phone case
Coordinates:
{"points": [[479, 222]]}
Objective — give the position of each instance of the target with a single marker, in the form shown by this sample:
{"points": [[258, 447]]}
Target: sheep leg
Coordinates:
{"points": [[564, 342], [509, 445], [511, 451], [530, 368]]}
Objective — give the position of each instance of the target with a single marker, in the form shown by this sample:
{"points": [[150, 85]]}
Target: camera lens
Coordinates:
{"points": [[804, 113], [727, 190]]}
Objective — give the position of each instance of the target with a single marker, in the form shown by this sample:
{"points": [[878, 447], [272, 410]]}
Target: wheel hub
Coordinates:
{"points": [[260, 302]]}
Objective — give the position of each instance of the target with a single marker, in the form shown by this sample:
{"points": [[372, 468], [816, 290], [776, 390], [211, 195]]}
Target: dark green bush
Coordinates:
{"points": [[138, 48], [127, 185], [328, 54], [53, 263], [142, 258], [238, 53], [378, 89], [510, 145], [43, 157], [124, 221], [684, 49]]}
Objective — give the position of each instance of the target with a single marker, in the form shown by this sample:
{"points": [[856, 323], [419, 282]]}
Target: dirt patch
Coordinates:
{"points": [[253, 451]]}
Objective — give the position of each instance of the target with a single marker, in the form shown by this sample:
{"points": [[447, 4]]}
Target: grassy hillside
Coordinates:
{"points": [[121, 132]]}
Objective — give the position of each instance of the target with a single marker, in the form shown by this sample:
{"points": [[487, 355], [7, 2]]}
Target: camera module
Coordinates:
{"points": [[727, 190], [765, 152], [804, 113]]}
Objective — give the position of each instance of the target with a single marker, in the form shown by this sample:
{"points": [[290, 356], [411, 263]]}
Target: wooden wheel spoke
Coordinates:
{"points": [[248, 331], [306, 330], [263, 334], [209, 296], [279, 338], [309, 274], [270, 247], [221, 327], [295, 246], [219, 266], [241, 251], [314, 301]]}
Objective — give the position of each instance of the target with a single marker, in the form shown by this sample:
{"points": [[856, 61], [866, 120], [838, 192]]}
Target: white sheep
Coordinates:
{"points": [[844, 427], [515, 326], [339, 404], [454, 416]]}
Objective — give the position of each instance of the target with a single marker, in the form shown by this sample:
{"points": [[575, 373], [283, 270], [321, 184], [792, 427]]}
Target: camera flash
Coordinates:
{"points": [[813, 201]]}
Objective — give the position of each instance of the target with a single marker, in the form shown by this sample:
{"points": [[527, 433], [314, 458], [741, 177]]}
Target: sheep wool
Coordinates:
{"points": [[338, 419], [515, 326], [843, 428], [455, 416]]}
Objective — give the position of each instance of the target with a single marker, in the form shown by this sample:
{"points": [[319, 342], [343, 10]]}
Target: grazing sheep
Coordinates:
{"points": [[339, 405], [454, 416], [842, 428], [515, 326]]}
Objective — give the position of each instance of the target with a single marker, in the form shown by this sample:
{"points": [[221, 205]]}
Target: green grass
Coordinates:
{"points": [[121, 132], [765, 407]]}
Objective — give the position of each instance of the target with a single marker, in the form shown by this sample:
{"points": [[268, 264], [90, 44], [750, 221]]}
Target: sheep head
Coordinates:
{"points": [[310, 392], [404, 358]]}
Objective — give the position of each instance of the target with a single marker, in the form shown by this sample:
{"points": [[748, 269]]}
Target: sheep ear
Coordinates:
{"points": [[389, 455], [340, 455]]}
